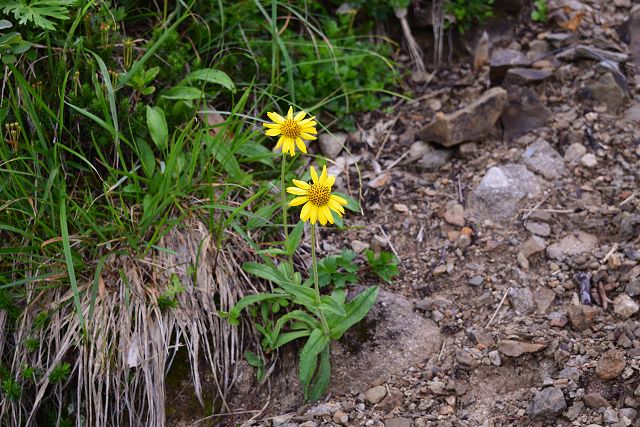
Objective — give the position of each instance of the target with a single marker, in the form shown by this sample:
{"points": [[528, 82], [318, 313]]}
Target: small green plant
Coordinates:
{"points": [[338, 270], [257, 362], [465, 13], [11, 44], [540, 12], [141, 80], [11, 389], [39, 13], [31, 344], [167, 300], [60, 373], [28, 373], [383, 264]]}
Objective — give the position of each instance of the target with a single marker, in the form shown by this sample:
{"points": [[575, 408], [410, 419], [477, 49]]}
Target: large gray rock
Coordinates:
{"points": [[499, 194], [548, 403], [607, 90], [391, 338], [524, 112], [521, 299], [541, 158], [472, 123], [575, 243]]}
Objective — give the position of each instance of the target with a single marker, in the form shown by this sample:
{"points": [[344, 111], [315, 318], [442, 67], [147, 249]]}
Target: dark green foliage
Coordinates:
{"points": [[338, 270], [11, 389], [60, 373], [540, 12], [469, 12], [384, 264]]}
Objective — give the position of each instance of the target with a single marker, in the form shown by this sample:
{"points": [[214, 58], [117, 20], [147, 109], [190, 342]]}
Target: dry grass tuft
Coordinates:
{"points": [[119, 366]]}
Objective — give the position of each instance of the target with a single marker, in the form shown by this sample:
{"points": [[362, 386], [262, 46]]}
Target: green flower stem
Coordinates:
{"points": [[314, 263], [284, 203]]}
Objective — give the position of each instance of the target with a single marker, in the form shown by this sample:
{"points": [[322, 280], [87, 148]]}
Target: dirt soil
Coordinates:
{"points": [[519, 284]]}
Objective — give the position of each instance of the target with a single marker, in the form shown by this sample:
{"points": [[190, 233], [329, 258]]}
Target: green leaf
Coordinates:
{"points": [[352, 204], [158, 127], [147, 158], [253, 359], [211, 75], [293, 240], [4, 24], [234, 313], [309, 358], [329, 304], [322, 378], [356, 310], [287, 337], [184, 93], [268, 272]]}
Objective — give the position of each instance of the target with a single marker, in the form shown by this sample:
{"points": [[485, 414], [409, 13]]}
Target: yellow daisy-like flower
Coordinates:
{"points": [[293, 130], [317, 198]]}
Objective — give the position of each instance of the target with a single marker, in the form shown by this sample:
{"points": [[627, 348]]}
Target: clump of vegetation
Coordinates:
{"points": [[466, 13], [540, 12]]}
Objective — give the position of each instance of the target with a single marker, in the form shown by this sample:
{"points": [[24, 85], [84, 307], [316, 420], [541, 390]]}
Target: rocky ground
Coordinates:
{"points": [[510, 195]]}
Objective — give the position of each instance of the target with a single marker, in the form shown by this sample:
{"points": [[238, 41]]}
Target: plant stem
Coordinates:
{"points": [[314, 263], [284, 204]]}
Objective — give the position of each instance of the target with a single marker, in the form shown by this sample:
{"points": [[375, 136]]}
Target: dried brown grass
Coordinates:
{"points": [[119, 366]]}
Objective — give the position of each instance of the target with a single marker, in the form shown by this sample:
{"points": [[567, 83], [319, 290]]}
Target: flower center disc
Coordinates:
{"points": [[318, 194], [290, 129]]}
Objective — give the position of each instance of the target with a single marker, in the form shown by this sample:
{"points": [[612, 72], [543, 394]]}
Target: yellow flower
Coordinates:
{"points": [[293, 130], [317, 198]]}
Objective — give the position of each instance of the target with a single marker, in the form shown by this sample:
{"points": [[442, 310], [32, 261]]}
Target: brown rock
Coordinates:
{"points": [[397, 422], [454, 214], [471, 123], [375, 394], [523, 112], [341, 417], [595, 401], [393, 400], [575, 243], [581, 316], [522, 76], [504, 59], [516, 348], [611, 364]]}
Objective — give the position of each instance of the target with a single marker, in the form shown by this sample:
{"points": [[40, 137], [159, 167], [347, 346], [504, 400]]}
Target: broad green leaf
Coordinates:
{"points": [[185, 93], [158, 127], [253, 359], [293, 240], [268, 272], [356, 310], [352, 204], [309, 357], [329, 304], [287, 337], [4, 24], [211, 75], [146, 157], [323, 376], [301, 295], [10, 38]]}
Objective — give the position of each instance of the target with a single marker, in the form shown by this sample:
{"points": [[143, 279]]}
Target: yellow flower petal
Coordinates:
{"points": [[308, 137], [328, 214], [321, 216], [323, 176], [299, 116], [313, 214], [305, 212], [298, 201], [297, 191], [290, 112], [272, 125], [338, 199], [272, 132], [314, 175], [300, 145], [336, 207], [276, 117], [308, 122], [308, 129], [301, 184], [329, 181]]}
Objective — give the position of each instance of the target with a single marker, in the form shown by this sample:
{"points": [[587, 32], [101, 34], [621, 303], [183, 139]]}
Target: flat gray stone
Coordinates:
{"points": [[548, 403], [541, 158], [523, 76], [523, 112], [575, 243], [498, 196]]}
